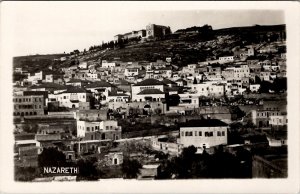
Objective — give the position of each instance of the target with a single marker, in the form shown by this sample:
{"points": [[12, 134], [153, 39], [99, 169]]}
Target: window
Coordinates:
{"points": [[115, 161], [223, 133], [88, 128], [211, 134], [196, 134], [206, 134], [107, 128], [200, 133], [182, 134], [219, 133], [186, 133]]}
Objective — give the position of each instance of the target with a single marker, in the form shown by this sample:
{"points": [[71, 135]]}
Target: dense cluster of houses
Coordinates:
{"points": [[89, 91]]}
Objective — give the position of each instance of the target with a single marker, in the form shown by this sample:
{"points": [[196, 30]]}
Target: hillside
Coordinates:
{"points": [[18, 60], [183, 47]]}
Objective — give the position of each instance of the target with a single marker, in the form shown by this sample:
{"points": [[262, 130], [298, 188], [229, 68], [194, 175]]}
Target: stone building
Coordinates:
{"points": [[114, 158], [157, 31], [28, 105]]}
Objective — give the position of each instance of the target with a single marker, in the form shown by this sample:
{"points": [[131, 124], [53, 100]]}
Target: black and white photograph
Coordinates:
{"points": [[150, 91]]}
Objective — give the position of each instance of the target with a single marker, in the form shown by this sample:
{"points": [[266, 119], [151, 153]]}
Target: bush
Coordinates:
{"points": [[131, 168]]}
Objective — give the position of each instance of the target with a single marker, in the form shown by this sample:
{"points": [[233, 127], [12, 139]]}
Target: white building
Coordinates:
{"points": [[118, 96], [35, 77], [240, 71], [165, 72], [149, 95], [18, 70], [131, 72], [83, 65], [208, 89], [108, 65], [147, 84], [71, 98], [278, 120], [265, 76], [92, 76], [86, 126], [226, 59], [49, 78], [188, 101], [254, 87], [204, 133], [104, 130]]}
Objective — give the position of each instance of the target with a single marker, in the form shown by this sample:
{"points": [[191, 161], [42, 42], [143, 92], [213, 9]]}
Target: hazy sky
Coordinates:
{"points": [[55, 27]]}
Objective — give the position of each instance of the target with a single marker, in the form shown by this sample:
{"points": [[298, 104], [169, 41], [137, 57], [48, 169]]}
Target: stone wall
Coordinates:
{"points": [[173, 119]]}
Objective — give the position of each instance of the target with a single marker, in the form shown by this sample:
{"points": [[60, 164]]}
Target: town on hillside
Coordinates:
{"points": [[155, 104]]}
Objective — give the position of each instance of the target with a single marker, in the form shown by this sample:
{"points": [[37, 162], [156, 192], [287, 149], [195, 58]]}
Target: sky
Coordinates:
{"points": [[57, 27]]}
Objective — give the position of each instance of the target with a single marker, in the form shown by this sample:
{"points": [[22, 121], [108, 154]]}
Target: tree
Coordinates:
{"points": [[173, 100], [184, 163], [30, 128], [195, 81], [26, 173], [157, 111], [265, 86], [279, 84], [236, 110], [87, 169], [131, 168], [51, 157], [76, 51], [26, 128]]}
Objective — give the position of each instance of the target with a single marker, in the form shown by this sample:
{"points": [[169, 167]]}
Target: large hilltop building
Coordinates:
{"points": [[157, 31], [130, 35], [152, 31]]}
